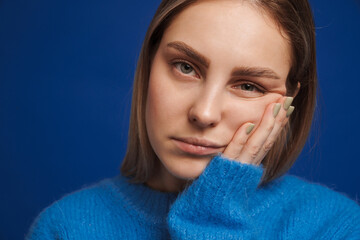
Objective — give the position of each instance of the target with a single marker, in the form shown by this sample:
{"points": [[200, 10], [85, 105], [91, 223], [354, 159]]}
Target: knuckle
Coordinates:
{"points": [[254, 150], [268, 146], [253, 156], [240, 142], [283, 124], [279, 121], [269, 128]]}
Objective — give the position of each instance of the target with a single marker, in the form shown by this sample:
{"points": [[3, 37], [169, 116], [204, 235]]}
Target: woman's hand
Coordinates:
{"points": [[251, 143]]}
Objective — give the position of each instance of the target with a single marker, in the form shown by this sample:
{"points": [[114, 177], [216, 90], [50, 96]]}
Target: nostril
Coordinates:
{"points": [[203, 119], [193, 119]]}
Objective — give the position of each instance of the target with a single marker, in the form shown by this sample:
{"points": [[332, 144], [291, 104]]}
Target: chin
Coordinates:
{"points": [[186, 168]]}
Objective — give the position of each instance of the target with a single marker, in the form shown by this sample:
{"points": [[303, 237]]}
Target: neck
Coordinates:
{"points": [[164, 181]]}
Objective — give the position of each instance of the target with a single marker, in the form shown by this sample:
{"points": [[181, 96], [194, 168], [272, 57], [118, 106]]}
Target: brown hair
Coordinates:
{"points": [[294, 18]]}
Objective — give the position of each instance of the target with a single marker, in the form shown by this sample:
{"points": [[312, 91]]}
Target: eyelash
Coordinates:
{"points": [[257, 87], [179, 62]]}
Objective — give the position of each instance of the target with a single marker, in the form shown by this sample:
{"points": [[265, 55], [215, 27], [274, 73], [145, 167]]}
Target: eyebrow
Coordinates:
{"points": [[238, 71], [190, 52], [255, 72]]}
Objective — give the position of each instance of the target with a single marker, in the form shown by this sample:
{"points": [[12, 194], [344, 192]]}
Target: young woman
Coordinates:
{"points": [[223, 100]]}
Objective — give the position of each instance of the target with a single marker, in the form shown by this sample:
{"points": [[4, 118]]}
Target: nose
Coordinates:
{"points": [[206, 110]]}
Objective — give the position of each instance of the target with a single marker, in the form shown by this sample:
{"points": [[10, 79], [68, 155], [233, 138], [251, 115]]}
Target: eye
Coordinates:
{"points": [[248, 87], [249, 90], [185, 68]]}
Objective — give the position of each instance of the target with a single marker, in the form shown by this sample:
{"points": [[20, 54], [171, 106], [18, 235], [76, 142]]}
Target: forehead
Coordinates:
{"points": [[231, 30]]}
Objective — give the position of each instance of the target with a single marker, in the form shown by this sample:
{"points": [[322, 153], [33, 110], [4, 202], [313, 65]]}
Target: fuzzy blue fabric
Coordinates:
{"points": [[222, 203]]}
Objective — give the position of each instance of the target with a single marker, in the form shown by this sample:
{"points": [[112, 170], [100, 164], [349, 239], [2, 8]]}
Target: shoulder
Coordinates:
{"points": [[312, 206], [73, 209], [319, 194], [94, 196]]}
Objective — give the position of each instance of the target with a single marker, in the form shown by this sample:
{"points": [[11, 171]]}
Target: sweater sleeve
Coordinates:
{"points": [[49, 224], [216, 205]]}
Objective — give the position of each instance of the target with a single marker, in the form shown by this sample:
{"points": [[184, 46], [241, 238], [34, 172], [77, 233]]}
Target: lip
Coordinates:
{"points": [[197, 146]]}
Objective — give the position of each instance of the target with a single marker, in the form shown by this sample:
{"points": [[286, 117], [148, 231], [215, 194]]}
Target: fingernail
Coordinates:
{"points": [[250, 128], [276, 109], [287, 102], [290, 111]]}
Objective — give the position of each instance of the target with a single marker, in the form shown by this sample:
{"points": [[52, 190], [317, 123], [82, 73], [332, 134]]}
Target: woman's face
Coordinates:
{"points": [[219, 64]]}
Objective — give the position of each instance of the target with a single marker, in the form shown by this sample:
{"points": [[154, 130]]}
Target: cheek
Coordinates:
{"points": [[165, 105], [248, 111], [162, 103], [154, 114], [243, 111], [168, 99]]}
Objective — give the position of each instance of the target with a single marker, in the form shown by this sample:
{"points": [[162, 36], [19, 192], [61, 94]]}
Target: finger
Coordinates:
{"points": [[238, 141], [254, 144], [280, 121]]}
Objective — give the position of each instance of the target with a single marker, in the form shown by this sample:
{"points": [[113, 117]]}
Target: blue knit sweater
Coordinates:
{"points": [[223, 203]]}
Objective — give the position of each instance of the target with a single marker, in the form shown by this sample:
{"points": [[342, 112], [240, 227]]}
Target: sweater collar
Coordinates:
{"points": [[147, 202]]}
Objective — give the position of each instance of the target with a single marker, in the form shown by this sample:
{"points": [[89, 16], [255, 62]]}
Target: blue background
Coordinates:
{"points": [[66, 70]]}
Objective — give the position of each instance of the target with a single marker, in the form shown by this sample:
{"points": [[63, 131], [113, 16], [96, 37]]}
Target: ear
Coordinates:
{"points": [[296, 90]]}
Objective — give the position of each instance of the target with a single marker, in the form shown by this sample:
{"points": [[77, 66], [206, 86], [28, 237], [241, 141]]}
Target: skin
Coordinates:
{"points": [[189, 99]]}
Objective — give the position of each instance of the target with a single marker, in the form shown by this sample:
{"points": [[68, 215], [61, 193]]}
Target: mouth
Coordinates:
{"points": [[197, 146]]}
